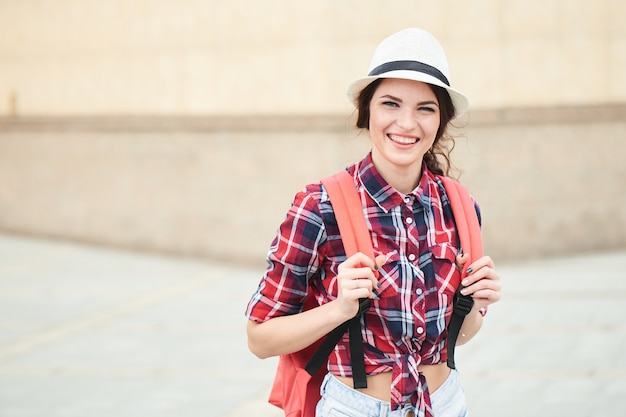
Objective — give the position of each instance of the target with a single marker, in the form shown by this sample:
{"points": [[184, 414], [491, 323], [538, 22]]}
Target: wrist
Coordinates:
{"points": [[335, 313]]}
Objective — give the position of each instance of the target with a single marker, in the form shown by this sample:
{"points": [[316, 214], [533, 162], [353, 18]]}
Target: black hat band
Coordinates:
{"points": [[410, 66]]}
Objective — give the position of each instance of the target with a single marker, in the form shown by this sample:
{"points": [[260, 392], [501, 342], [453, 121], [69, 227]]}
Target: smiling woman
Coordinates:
{"points": [[405, 103]]}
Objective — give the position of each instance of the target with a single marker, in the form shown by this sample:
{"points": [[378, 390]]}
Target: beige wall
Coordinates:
{"points": [[548, 182], [187, 126], [285, 56]]}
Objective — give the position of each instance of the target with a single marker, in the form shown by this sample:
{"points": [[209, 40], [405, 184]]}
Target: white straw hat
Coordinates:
{"points": [[411, 54]]}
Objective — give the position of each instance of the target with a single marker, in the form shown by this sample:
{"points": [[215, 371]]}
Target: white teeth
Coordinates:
{"points": [[403, 140]]}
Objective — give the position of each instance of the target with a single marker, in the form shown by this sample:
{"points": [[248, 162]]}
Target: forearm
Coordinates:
{"points": [[471, 325], [287, 334]]}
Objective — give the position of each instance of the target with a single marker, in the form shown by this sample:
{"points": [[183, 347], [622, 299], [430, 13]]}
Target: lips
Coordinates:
{"points": [[403, 140]]}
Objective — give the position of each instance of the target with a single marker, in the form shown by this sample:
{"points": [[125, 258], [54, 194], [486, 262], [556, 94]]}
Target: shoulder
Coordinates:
{"points": [[317, 194], [310, 206], [311, 196]]}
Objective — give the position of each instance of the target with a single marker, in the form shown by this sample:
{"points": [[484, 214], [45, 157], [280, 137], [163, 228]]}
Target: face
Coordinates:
{"points": [[403, 124]]}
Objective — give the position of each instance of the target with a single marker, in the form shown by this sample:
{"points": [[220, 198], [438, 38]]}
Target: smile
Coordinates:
{"points": [[403, 140]]}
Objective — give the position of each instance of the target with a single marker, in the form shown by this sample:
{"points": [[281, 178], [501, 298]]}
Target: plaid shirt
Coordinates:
{"points": [[406, 323]]}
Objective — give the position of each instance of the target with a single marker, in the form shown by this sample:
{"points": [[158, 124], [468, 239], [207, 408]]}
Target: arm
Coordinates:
{"points": [[471, 325], [287, 334]]}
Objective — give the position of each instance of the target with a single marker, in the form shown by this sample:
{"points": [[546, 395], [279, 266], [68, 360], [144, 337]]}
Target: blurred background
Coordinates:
{"points": [[187, 127], [182, 129]]}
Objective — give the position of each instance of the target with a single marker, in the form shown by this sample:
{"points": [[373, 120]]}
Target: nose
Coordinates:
{"points": [[407, 120]]}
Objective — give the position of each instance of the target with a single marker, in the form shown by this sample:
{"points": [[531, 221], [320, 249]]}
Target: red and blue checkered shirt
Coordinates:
{"points": [[406, 323]]}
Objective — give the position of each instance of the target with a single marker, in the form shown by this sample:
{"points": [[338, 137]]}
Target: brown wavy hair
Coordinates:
{"points": [[437, 158]]}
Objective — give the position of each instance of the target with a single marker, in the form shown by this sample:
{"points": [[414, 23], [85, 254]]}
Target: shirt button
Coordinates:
{"points": [[412, 257], [409, 220], [419, 291], [420, 330], [407, 199]]}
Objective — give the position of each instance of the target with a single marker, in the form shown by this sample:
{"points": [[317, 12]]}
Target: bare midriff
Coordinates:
{"points": [[379, 385]]}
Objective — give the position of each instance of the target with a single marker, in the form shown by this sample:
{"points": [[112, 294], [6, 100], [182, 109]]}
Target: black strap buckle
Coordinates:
{"points": [[463, 304]]}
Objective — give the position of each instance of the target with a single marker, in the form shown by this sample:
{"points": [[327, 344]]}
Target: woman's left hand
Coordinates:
{"points": [[482, 281]]}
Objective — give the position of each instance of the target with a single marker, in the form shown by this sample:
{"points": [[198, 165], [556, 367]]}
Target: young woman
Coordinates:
{"points": [[406, 103]]}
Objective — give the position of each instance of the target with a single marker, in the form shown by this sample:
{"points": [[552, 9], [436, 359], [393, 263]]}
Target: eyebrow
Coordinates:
{"points": [[423, 103]]}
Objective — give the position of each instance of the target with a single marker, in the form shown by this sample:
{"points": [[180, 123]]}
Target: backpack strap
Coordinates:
{"points": [[355, 237], [348, 210], [468, 229]]}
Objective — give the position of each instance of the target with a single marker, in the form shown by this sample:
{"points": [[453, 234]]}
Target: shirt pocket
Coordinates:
{"points": [[447, 273]]}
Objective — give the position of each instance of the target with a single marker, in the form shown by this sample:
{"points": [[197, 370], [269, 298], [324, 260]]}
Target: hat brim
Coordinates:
{"points": [[459, 100]]}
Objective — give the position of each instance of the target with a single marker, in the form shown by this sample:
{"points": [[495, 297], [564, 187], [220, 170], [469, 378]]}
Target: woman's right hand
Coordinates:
{"points": [[357, 278]]}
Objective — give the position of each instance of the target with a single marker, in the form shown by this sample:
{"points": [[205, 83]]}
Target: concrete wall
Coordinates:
{"points": [[205, 187], [548, 182], [60, 57]]}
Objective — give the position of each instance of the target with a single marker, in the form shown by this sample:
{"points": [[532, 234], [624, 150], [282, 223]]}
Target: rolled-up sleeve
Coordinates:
{"points": [[292, 259]]}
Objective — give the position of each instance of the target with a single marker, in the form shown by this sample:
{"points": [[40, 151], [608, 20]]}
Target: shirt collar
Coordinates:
{"points": [[385, 195]]}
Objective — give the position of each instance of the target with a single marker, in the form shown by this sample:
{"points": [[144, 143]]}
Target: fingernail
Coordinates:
{"points": [[465, 282], [469, 270], [463, 291], [379, 285]]}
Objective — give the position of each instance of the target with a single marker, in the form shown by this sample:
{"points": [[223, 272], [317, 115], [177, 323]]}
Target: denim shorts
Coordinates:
{"points": [[339, 400]]}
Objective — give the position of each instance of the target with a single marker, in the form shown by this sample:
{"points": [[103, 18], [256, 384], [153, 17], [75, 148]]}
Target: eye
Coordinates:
{"points": [[427, 109], [390, 104]]}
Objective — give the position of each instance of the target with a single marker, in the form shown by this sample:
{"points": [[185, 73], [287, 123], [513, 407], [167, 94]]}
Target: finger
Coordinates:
{"points": [[357, 273], [485, 261], [462, 259], [379, 261], [357, 260], [476, 276], [360, 284], [486, 296], [360, 288], [481, 269], [357, 278], [362, 266], [481, 284]]}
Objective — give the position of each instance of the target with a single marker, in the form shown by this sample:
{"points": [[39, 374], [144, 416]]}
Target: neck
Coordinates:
{"points": [[402, 179]]}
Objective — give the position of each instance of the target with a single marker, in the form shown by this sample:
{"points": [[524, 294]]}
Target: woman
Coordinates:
{"points": [[405, 103]]}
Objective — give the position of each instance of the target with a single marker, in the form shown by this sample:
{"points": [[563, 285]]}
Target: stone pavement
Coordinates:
{"points": [[87, 331]]}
